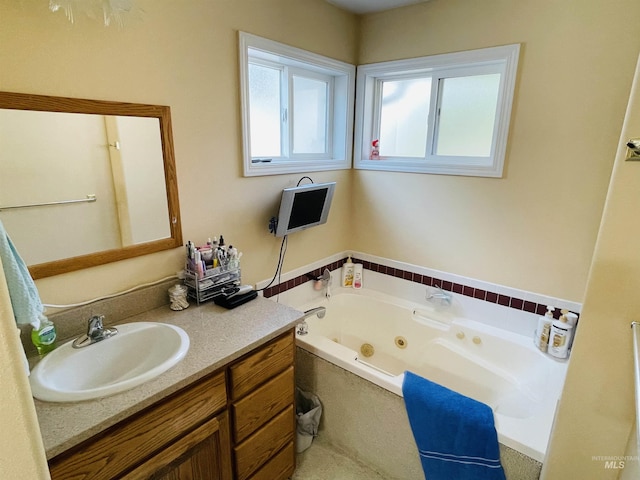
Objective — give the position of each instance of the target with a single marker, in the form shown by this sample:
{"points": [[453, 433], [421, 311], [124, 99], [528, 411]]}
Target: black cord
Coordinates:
{"points": [[285, 242], [278, 273], [309, 178], [283, 249]]}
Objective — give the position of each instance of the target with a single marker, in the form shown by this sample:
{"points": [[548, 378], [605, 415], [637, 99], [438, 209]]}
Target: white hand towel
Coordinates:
{"points": [[25, 300]]}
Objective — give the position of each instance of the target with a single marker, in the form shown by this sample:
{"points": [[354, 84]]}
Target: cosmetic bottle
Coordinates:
{"points": [[357, 275], [544, 329], [561, 333], [43, 335], [572, 319], [198, 262], [347, 273]]}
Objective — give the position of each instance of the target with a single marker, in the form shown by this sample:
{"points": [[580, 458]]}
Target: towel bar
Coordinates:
{"points": [[90, 198]]}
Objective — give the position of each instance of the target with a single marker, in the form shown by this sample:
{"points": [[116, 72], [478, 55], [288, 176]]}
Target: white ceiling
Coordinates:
{"points": [[370, 6]]}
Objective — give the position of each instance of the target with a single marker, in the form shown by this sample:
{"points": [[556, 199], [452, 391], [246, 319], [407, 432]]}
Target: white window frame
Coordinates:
{"points": [[503, 60], [295, 61]]}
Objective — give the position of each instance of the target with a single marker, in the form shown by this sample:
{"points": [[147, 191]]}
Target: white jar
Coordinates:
{"points": [[178, 297]]}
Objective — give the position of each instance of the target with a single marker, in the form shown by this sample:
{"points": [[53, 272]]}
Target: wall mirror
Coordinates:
{"points": [[86, 182]]}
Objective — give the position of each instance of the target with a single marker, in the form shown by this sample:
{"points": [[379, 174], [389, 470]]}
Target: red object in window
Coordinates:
{"points": [[375, 151]]}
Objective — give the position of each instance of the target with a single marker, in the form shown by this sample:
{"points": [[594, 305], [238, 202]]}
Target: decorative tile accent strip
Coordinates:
{"points": [[299, 280], [477, 293]]}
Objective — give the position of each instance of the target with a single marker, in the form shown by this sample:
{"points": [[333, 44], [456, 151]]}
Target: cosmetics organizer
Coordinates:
{"points": [[211, 283]]}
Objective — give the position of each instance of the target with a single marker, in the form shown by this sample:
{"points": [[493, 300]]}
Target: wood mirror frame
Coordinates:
{"points": [[19, 101]]}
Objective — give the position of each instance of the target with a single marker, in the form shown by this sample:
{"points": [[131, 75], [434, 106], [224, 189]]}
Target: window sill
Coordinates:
{"points": [[283, 167], [470, 167]]}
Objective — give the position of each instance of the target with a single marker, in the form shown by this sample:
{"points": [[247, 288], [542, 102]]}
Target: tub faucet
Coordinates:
{"points": [[443, 298], [303, 328], [95, 332], [325, 278], [326, 283], [319, 311]]}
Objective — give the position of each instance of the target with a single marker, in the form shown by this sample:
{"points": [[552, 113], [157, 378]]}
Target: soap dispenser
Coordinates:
{"points": [[43, 335], [544, 329], [561, 333], [347, 273]]}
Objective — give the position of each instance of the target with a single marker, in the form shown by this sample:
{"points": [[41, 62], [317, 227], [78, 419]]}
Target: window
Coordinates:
{"points": [[297, 109], [446, 114]]}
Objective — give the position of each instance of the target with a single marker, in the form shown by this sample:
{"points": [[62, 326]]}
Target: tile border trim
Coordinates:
{"points": [[427, 280]]}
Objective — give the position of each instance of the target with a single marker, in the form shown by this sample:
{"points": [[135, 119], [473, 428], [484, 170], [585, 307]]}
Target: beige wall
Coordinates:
{"points": [[596, 413], [182, 54], [535, 228]]}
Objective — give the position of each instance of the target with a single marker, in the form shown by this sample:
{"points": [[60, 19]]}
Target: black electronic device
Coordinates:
{"points": [[235, 299], [302, 207]]}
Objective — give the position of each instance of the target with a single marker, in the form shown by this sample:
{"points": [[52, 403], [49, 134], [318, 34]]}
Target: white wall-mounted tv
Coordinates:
{"points": [[304, 206]]}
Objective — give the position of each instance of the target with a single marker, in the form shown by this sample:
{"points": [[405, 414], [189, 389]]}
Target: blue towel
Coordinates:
{"points": [[26, 303], [455, 435]]}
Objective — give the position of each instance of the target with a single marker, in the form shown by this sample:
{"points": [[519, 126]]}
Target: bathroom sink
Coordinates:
{"points": [[138, 353]]}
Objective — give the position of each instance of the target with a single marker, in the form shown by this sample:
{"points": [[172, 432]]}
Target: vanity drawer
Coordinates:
{"points": [[279, 467], [258, 367], [123, 446], [262, 445], [263, 404]]}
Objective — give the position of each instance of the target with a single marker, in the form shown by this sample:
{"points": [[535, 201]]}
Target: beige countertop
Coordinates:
{"points": [[217, 337]]}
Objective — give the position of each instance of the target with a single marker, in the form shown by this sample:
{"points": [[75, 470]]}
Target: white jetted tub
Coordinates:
{"points": [[379, 337]]}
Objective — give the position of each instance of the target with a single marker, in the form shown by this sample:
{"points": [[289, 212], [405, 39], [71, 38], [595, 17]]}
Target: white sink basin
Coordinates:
{"points": [[139, 352]]}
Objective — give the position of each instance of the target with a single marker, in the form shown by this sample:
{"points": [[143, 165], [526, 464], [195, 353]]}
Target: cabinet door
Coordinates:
{"points": [[121, 448], [202, 454]]}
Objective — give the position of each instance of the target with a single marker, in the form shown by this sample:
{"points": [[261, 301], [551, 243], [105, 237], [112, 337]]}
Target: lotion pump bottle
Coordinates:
{"points": [[347, 273], [544, 329], [561, 333]]}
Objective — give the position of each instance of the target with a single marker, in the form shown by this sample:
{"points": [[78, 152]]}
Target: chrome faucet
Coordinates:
{"points": [[325, 278], [443, 297], [95, 332], [319, 311], [303, 328]]}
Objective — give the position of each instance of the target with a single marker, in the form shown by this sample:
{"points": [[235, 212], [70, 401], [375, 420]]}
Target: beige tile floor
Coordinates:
{"points": [[323, 462]]}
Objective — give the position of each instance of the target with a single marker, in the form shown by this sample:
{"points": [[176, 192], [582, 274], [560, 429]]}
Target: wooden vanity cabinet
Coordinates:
{"points": [[189, 434], [261, 387], [183, 436], [201, 454]]}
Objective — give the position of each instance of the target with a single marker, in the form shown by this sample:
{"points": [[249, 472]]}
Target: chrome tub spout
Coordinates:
{"points": [[319, 311], [303, 328]]}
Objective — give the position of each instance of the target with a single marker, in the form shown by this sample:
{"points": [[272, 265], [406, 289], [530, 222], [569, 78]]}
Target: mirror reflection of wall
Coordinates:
{"points": [[51, 157], [139, 178]]}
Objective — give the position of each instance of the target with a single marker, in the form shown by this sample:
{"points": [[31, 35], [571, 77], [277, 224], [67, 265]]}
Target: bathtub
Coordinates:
{"points": [[379, 337]]}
